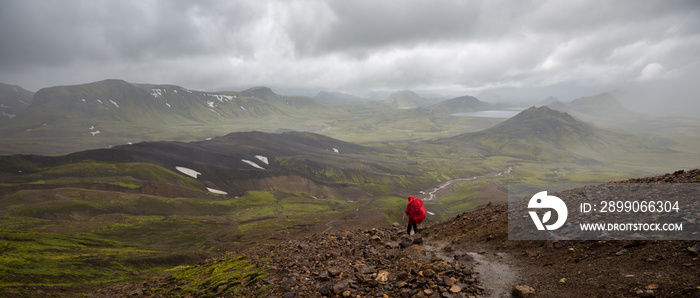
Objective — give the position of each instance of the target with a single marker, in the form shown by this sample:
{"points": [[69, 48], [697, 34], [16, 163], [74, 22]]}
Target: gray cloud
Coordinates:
{"points": [[443, 46]]}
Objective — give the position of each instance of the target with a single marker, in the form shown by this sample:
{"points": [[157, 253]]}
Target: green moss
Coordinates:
{"points": [[225, 277]]}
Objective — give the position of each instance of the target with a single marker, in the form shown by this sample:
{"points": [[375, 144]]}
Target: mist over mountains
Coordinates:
{"points": [[114, 112], [155, 177]]}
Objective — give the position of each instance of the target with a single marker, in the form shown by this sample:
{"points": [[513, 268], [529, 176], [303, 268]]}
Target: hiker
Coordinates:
{"points": [[416, 214]]}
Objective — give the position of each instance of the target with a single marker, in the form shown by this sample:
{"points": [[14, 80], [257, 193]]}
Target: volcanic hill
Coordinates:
{"points": [[546, 134]]}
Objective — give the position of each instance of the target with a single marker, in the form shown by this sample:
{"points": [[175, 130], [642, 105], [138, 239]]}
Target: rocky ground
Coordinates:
{"points": [[469, 255]]}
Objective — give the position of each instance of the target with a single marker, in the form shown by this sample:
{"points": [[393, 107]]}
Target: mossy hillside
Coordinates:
{"points": [[127, 175], [128, 233], [54, 259]]}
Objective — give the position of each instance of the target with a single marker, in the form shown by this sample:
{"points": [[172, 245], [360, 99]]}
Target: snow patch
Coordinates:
{"points": [[430, 213], [99, 101], [189, 172], [167, 104], [211, 104], [222, 98], [8, 115], [215, 112], [263, 159], [216, 191], [93, 131], [115, 103], [336, 150], [242, 108], [252, 164], [83, 99], [157, 93]]}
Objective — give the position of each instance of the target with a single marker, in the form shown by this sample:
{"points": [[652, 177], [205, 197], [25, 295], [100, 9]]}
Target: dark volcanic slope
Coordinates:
{"points": [[239, 162]]}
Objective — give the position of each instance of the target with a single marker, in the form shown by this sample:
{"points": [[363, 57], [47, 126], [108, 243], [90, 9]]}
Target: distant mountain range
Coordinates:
{"points": [[107, 113]]}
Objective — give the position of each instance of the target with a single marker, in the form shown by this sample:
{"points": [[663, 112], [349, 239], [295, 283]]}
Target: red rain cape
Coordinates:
{"points": [[415, 210]]}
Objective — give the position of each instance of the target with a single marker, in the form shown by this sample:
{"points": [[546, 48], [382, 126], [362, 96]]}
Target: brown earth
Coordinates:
{"points": [[469, 255]]}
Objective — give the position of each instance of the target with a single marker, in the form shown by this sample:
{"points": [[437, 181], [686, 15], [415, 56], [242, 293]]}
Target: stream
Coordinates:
{"points": [[443, 189]]}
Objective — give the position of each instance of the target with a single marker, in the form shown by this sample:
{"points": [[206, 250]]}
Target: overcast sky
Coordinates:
{"points": [[520, 49]]}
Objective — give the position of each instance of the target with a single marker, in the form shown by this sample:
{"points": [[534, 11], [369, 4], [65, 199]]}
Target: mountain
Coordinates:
{"points": [[603, 109], [118, 100], [405, 100], [113, 112], [549, 100], [546, 134], [337, 97], [460, 104], [13, 101]]}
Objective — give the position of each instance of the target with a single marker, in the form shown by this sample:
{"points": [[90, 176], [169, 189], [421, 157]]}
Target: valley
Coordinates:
{"points": [[110, 182]]}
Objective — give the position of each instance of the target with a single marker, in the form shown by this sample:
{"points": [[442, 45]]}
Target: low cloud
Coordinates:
{"points": [[455, 47]]}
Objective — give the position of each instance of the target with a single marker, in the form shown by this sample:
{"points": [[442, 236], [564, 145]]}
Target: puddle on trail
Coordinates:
{"points": [[494, 269], [495, 273]]}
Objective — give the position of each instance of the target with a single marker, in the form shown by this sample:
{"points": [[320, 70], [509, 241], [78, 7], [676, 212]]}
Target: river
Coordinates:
{"points": [[443, 189]]}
